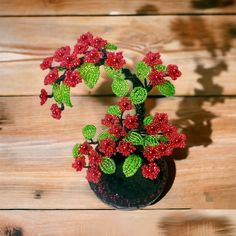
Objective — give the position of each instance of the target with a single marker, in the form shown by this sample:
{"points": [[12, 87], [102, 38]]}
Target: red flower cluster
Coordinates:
{"points": [[115, 60], [156, 77], [94, 158], [72, 78], [152, 59], [173, 71], [79, 163], [43, 96], [150, 171], [85, 148], [107, 146], [93, 174], [125, 104], [125, 148], [47, 63], [56, 111], [131, 121], [117, 130], [93, 56], [110, 120], [51, 77]]}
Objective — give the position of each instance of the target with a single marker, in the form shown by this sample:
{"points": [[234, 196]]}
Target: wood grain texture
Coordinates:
{"points": [[115, 7], [35, 153], [202, 46], [119, 223]]}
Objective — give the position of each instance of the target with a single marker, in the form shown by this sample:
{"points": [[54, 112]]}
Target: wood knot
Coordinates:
{"points": [[38, 194]]}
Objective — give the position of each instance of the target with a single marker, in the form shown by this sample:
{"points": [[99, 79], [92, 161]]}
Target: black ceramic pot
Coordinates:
{"points": [[130, 193]]}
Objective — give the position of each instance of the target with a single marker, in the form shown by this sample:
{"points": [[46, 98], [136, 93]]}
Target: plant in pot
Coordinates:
{"points": [[125, 164]]}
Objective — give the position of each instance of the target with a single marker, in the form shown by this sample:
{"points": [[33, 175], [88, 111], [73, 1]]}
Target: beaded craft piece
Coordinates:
{"points": [[140, 139]]}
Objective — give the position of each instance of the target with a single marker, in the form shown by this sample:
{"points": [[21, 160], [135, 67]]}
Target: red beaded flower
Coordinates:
{"points": [[93, 56], [79, 163], [93, 174], [80, 48], [152, 59], [152, 153], [86, 38], [117, 130], [125, 104], [131, 121], [98, 43], [150, 171], [70, 61], [95, 158], [156, 77], [125, 148], [43, 96], [72, 78], [110, 120], [47, 63], [85, 148], [51, 77], [56, 111], [61, 53], [107, 146], [173, 71], [115, 60]]}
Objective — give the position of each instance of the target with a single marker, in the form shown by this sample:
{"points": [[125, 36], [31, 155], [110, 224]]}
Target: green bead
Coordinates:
{"points": [[111, 46], [61, 94], [161, 68], [120, 87], [114, 110], [75, 150], [89, 131], [167, 89], [142, 70], [131, 165], [113, 73], [138, 95], [108, 166], [163, 139], [148, 120], [105, 134]]}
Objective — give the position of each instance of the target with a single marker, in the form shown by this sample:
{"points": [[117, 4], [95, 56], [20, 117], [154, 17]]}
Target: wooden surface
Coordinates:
{"points": [[39, 192]]}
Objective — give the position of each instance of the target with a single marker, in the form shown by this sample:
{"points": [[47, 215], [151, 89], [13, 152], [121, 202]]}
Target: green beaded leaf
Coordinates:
{"points": [[108, 166], [163, 139], [161, 68], [148, 120], [111, 46], [57, 93], [75, 150], [120, 87], [106, 134], [65, 93], [138, 95], [142, 70], [89, 131], [150, 140], [61, 94], [90, 74], [114, 110], [131, 165], [135, 138], [113, 73], [167, 89]]}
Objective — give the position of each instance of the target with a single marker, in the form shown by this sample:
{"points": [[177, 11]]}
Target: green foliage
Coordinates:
{"points": [[167, 89], [135, 138], [148, 120], [61, 94], [89, 131], [111, 46], [142, 70], [120, 87], [131, 165], [138, 95], [113, 73], [108, 166], [161, 68], [114, 110], [75, 150], [90, 74], [105, 134], [150, 140]]}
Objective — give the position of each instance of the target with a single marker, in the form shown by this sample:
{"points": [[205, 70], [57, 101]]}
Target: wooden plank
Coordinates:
{"points": [[118, 223], [35, 153], [203, 47], [115, 7]]}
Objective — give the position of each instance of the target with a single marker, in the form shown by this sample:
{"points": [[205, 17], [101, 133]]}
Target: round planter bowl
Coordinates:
{"points": [[130, 193]]}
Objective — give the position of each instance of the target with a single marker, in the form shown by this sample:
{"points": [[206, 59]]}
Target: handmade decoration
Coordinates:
{"points": [[125, 163]]}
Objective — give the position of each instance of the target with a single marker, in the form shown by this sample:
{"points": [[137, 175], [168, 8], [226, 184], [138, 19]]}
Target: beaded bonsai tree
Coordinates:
{"points": [[125, 163]]}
